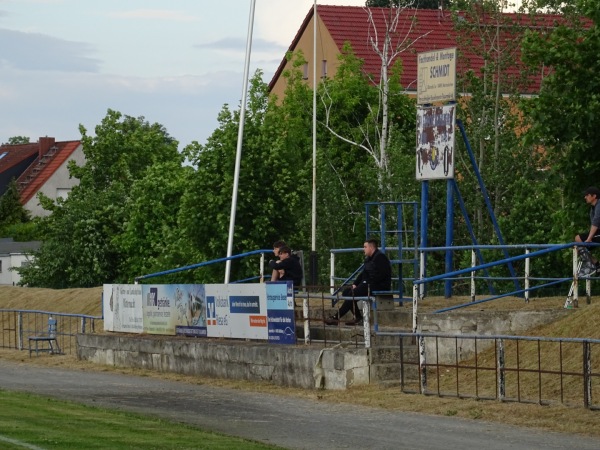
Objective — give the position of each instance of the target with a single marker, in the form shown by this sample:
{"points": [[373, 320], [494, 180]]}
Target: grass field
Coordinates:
{"points": [[29, 421]]}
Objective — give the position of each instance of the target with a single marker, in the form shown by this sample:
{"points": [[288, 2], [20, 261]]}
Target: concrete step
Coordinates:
{"points": [[386, 372], [332, 333], [388, 364], [398, 317]]}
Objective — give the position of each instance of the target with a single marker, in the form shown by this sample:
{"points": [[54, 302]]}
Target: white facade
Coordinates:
{"points": [[58, 185], [9, 261]]}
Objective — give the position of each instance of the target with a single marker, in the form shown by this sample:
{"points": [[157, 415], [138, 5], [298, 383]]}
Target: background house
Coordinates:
{"points": [[424, 29], [14, 254], [40, 167]]}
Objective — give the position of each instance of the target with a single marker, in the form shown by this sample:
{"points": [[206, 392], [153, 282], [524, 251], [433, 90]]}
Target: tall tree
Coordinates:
{"points": [[564, 117], [490, 112], [81, 246], [423, 4], [273, 186], [16, 140], [11, 210]]}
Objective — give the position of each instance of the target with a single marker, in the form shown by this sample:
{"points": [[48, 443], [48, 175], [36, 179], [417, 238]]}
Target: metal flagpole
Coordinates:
{"points": [[238, 152], [313, 253]]}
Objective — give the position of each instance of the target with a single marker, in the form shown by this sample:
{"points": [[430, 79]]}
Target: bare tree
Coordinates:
{"points": [[388, 43]]}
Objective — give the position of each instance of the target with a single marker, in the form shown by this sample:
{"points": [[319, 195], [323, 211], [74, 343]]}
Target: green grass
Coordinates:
{"points": [[53, 424]]}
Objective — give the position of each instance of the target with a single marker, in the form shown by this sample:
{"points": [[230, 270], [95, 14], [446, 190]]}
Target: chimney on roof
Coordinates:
{"points": [[45, 144]]}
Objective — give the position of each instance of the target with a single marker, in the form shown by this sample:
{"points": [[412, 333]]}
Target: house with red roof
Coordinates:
{"points": [[423, 29], [40, 167]]}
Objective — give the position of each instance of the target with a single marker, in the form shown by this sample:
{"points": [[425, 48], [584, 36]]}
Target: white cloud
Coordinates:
{"points": [[35, 51]]}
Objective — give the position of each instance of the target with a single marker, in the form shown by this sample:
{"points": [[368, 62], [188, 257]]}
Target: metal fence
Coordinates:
{"points": [[521, 369], [19, 325]]}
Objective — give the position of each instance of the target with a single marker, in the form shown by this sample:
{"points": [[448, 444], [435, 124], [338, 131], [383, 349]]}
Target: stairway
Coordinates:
{"points": [[385, 351]]}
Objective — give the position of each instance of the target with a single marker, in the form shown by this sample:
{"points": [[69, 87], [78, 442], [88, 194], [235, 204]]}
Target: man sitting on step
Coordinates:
{"points": [[376, 276]]}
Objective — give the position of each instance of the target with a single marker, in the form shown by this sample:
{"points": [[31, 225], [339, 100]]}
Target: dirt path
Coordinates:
{"points": [[290, 422]]}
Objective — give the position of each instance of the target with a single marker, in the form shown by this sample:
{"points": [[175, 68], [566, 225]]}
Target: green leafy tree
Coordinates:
{"points": [[272, 186], [423, 4], [81, 236], [564, 117], [11, 210], [149, 236], [16, 140], [492, 119]]}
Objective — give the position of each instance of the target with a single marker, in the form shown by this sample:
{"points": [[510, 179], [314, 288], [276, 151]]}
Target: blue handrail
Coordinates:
{"points": [[543, 251], [202, 264]]}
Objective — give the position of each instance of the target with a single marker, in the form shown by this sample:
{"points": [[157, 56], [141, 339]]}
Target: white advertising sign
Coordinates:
{"points": [[236, 311], [436, 80], [122, 308]]}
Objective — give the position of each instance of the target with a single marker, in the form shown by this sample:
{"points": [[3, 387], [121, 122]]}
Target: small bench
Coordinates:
{"points": [[49, 337]]}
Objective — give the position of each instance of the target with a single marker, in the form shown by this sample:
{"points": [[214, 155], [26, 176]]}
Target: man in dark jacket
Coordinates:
{"points": [[288, 267], [376, 276], [591, 196]]}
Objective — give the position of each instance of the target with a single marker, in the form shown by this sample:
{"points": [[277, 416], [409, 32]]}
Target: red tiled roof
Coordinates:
{"points": [[428, 30], [63, 152], [12, 155]]}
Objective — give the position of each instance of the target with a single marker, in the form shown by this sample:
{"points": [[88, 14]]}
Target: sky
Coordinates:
{"points": [[176, 62]]}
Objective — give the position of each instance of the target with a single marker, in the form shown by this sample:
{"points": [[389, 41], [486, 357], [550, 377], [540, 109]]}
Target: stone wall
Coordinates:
{"points": [[297, 366]]}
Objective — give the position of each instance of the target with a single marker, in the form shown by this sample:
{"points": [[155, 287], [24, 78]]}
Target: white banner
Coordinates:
{"points": [[213, 310], [122, 308], [237, 311]]}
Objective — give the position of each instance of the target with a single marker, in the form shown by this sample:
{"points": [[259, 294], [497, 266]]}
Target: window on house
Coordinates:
{"points": [[25, 263], [323, 68], [305, 73], [0, 266], [62, 192]]}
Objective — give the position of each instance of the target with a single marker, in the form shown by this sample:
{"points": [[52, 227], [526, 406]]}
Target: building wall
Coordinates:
{"points": [[57, 184], [8, 261], [326, 51]]}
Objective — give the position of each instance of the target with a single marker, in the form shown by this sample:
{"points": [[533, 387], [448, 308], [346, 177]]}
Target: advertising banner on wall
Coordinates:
{"points": [[435, 142], [122, 308], [167, 306], [203, 310], [236, 311], [280, 312]]}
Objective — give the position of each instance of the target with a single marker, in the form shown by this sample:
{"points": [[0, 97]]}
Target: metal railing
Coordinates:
{"points": [[523, 369], [18, 325], [214, 261]]}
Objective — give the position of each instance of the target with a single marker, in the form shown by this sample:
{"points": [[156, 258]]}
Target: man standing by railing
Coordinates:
{"points": [[376, 276], [591, 196]]}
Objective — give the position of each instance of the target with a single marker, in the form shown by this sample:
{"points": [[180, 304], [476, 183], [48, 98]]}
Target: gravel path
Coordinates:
{"points": [[284, 421]]}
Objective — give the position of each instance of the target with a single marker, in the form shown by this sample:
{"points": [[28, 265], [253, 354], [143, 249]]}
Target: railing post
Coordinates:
{"points": [[500, 371], [262, 267], [473, 264], [332, 273], [422, 364], [422, 273], [575, 280], [587, 374], [306, 319], [415, 307], [367, 322], [527, 262], [588, 291], [20, 331], [83, 325]]}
